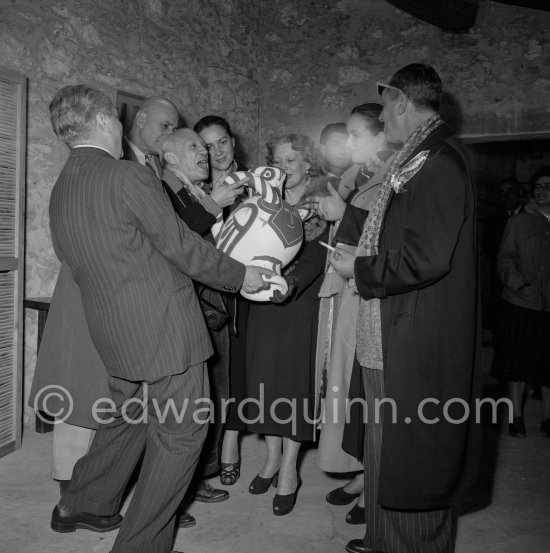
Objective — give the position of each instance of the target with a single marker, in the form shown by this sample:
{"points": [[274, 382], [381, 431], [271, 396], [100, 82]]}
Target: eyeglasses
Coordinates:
{"points": [[543, 187], [381, 86]]}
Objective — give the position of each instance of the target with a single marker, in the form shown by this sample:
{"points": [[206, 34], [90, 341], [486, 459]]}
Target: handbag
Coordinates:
{"points": [[213, 308]]}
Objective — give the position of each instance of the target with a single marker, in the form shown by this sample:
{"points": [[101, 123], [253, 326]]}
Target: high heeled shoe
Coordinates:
{"points": [[260, 484], [230, 473], [356, 515], [283, 504], [340, 496]]}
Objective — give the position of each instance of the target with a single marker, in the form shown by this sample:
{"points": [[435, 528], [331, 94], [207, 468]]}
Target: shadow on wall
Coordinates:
{"points": [[451, 111], [240, 154]]}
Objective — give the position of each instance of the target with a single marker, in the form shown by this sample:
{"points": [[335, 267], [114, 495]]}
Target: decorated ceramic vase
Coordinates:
{"points": [[263, 230]]}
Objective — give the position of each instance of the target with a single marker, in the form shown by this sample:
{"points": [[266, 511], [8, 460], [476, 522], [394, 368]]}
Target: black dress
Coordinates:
{"points": [[237, 411], [281, 346]]}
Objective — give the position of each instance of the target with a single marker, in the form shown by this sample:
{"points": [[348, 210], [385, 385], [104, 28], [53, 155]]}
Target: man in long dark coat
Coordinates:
{"points": [[417, 334]]}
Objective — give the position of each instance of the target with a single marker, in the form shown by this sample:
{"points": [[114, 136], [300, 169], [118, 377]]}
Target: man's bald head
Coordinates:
{"points": [[156, 117], [184, 150]]}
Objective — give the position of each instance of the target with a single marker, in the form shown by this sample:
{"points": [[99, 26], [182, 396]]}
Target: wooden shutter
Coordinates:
{"points": [[13, 107]]}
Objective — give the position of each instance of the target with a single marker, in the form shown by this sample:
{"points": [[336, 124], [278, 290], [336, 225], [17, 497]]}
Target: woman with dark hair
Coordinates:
{"points": [[340, 304], [220, 142], [219, 139], [523, 265], [282, 336]]}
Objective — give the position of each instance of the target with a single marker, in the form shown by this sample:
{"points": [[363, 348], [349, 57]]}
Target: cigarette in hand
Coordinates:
{"points": [[327, 246]]}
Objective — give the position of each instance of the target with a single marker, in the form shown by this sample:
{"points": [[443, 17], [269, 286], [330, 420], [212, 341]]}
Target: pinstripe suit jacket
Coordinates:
{"points": [[133, 259]]}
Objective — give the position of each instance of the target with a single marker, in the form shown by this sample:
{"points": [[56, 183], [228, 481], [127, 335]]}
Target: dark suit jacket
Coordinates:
{"points": [[133, 259], [192, 212], [127, 152]]}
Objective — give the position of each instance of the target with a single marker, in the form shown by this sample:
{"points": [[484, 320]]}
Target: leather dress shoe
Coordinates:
{"points": [[185, 520], [358, 546], [66, 519], [208, 494]]}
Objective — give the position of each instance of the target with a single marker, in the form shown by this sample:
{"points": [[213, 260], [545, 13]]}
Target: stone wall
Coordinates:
{"points": [[268, 66], [318, 59], [195, 52]]}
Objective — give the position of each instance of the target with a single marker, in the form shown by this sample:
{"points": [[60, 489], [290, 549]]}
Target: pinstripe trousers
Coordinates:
{"points": [[389, 530], [170, 444]]}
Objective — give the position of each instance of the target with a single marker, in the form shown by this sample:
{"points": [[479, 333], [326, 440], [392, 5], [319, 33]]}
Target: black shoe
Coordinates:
{"points": [[283, 504], [185, 520], [230, 473], [208, 494], [339, 496], [261, 485], [545, 427], [517, 428], [358, 546], [356, 515], [65, 519]]}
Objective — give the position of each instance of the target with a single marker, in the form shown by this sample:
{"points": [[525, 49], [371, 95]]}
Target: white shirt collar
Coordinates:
{"points": [[138, 153], [328, 174], [92, 146]]}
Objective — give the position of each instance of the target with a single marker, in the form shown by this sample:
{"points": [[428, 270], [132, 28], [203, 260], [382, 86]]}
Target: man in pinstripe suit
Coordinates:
{"points": [[133, 260]]}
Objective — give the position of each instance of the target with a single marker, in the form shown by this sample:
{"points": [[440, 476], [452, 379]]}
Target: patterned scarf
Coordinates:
{"points": [[369, 328]]}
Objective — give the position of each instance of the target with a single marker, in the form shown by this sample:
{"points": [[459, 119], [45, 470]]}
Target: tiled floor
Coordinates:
{"points": [[517, 520]]}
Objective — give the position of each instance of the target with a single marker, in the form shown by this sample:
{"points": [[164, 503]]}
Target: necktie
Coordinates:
{"points": [[150, 162]]}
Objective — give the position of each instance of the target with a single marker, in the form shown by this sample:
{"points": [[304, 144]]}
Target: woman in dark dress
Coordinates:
{"points": [[281, 341], [219, 139]]}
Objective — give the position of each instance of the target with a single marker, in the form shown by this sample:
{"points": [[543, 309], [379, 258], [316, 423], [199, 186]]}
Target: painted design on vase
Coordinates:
{"points": [[264, 230]]}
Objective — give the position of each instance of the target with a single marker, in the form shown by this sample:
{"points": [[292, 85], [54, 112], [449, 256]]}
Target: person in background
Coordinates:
{"points": [[509, 205], [367, 146], [156, 117], [220, 142], [282, 336], [334, 152], [523, 264]]}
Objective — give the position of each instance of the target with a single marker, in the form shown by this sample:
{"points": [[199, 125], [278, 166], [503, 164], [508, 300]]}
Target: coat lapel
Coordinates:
{"points": [[347, 183]]}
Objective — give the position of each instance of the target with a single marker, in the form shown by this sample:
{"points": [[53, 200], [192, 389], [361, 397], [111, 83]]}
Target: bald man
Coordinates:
{"points": [[155, 118]]}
